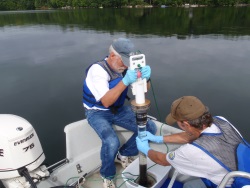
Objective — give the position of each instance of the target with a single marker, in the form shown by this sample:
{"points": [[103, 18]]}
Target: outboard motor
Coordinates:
{"points": [[20, 149]]}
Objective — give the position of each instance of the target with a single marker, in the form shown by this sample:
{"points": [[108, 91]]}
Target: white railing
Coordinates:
{"points": [[232, 175]]}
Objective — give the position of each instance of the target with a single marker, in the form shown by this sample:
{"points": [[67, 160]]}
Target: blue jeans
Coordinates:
{"points": [[102, 121]]}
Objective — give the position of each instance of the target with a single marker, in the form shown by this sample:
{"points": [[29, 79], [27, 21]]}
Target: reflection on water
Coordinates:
{"points": [[184, 22], [43, 55]]}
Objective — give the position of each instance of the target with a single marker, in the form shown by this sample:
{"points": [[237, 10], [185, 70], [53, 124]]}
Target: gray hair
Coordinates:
{"points": [[111, 49]]}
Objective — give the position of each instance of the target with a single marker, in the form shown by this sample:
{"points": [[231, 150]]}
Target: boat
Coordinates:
{"points": [[22, 157], [80, 167]]}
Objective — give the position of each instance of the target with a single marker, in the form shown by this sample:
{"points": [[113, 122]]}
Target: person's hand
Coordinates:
{"points": [[146, 72], [130, 77], [142, 146], [153, 138]]}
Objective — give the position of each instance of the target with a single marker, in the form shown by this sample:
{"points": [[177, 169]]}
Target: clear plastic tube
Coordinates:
{"points": [[143, 178]]}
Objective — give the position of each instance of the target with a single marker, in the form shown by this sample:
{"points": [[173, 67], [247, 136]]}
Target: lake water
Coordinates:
{"points": [[200, 51]]}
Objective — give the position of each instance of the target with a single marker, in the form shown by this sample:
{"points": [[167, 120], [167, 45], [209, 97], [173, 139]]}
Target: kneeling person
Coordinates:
{"points": [[209, 144]]}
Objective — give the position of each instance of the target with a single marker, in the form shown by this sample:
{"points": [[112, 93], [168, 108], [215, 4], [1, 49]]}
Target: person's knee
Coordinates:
{"points": [[113, 144]]}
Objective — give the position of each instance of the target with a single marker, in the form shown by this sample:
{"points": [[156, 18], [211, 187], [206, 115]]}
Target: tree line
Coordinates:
{"points": [[46, 4], [180, 22]]}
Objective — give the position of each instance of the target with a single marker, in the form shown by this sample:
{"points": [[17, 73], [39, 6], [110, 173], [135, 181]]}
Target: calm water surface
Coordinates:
{"points": [[43, 56]]}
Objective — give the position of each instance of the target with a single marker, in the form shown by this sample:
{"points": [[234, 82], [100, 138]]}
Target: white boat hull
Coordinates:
{"points": [[83, 153]]}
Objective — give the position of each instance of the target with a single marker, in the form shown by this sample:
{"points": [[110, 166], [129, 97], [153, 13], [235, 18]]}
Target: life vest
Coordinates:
{"points": [[220, 146], [115, 78]]}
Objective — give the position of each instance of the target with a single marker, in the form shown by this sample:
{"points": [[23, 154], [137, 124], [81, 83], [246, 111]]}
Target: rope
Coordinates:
{"points": [[156, 104]]}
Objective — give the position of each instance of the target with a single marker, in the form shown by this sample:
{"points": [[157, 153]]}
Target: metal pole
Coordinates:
{"points": [[64, 161]]}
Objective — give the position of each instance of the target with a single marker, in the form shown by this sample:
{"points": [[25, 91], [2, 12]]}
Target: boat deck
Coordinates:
{"points": [[95, 179]]}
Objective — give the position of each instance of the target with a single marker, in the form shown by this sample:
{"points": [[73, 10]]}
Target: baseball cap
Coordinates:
{"points": [[186, 108], [124, 47]]}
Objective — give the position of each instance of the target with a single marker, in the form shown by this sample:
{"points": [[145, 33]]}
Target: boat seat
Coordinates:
{"points": [[81, 133], [223, 183]]}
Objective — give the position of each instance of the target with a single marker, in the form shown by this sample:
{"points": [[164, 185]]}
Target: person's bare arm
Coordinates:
{"points": [[112, 95], [179, 138], [158, 157]]}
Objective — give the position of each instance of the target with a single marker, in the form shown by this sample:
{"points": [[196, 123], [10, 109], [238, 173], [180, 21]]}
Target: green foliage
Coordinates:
{"points": [[183, 22], [38, 4], [17, 5]]}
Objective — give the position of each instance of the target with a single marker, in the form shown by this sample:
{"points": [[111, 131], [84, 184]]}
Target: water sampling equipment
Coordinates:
{"points": [[140, 106]]}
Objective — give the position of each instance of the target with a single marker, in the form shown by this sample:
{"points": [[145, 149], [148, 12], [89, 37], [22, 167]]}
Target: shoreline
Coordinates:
{"points": [[129, 6]]}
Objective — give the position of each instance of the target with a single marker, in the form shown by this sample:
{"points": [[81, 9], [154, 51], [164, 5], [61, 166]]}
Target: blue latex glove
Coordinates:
{"points": [[142, 146], [153, 138], [130, 77], [146, 72]]}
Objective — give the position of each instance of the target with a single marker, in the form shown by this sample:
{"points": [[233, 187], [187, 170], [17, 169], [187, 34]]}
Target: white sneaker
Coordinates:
{"points": [[108, 183], [124, 160]]}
